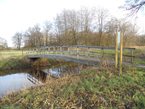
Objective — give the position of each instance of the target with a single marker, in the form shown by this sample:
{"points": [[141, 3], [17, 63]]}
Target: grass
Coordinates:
{"points": [[10, 54], [96, 87], [139, 61], [15, 62], [15, 59]]}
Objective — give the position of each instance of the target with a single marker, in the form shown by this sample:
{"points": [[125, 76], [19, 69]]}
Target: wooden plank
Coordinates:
{"points": [[128, 56], [96, 55]]}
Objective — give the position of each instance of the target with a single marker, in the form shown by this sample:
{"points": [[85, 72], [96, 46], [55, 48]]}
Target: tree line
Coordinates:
{"points": [[86, 26], [3, 44]]}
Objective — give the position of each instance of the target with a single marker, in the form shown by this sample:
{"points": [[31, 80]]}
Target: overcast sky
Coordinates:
{"points": [[18, 15]]}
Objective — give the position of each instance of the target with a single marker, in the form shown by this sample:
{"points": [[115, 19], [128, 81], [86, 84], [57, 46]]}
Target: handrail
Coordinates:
{"points": [[77, 52], [83, 46]]}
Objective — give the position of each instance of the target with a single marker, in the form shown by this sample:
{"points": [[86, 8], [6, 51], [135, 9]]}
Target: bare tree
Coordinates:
{"points": [[3, 43], [33, 37], [129, 30], [17, 39], [111, 28], [133, 6], [102, 16], [47, 27]]}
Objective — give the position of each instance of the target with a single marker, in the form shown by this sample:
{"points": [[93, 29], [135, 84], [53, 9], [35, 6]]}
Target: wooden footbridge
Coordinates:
{"points": [[89, 55]]}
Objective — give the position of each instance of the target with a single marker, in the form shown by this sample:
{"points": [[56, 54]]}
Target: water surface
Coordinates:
{"points": [[13, 80]]}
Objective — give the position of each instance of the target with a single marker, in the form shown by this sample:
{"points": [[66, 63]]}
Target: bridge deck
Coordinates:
{"points": [[82, 59]]}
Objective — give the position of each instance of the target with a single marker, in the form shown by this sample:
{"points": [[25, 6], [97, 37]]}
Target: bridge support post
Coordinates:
{"points": [[68, 51], [49, 50], [39, 51], [88, 53], [36, 51], [44, 50], [61, 50], [77, 53], [102, 53], [131, 55], [54, 50]]}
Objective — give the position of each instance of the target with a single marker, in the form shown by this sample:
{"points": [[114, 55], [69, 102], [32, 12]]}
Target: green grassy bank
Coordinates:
{"points": [[97, 87], [14, 62], [22, 62]]}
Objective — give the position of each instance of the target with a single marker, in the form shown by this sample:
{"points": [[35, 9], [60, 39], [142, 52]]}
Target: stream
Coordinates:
{"points": [[14, 80]]}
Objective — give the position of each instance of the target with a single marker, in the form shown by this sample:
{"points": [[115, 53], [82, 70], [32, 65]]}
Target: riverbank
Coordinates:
{"points": [[23, 62], [95, 87]]}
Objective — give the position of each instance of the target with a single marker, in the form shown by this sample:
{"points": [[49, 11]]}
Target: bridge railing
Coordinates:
{"points": [[80, 50]]}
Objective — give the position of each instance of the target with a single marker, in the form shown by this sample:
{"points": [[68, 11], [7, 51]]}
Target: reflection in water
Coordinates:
{"points": [[61, 71], [37, 76], [24, 78]]}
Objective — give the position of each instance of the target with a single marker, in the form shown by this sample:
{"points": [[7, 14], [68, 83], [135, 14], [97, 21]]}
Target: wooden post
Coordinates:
{"points": [[54, 50], [102, 53], [116, 54], [49, 50], [88, 53], [37, 51], [61, 50], [83, 50], [131, 55], [121, 52], [77, 53], [68, 51]]}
